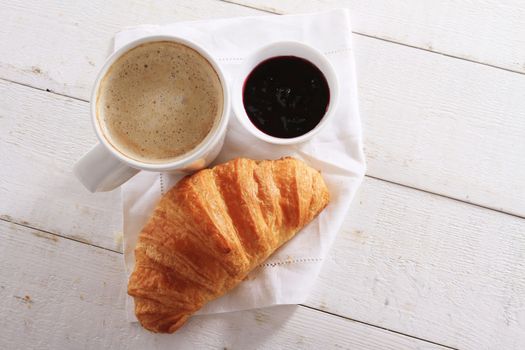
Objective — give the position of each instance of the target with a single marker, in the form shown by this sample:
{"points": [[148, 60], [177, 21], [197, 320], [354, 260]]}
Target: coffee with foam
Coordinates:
{"points": [[159, 101]]}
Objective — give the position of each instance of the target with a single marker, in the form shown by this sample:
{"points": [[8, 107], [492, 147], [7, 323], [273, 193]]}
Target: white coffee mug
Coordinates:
{"points": [[104, 168]]}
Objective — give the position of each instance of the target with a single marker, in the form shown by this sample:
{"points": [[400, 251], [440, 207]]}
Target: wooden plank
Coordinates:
{"points": [[435, 123], [431, 122], [49, 210], [428, 266], [58, 294], [489, 32], [442, 264], [41, 136], [68, 41], [443, 125]]}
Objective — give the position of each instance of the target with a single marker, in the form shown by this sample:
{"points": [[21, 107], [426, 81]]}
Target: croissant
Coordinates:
{"points": [[211, 229]]}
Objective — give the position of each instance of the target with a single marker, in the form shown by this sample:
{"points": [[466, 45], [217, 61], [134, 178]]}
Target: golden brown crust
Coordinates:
{"points": [[210, 230]]}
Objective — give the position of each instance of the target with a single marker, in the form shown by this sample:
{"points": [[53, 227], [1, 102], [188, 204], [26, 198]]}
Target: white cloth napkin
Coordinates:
{"points": [[288, 275]]}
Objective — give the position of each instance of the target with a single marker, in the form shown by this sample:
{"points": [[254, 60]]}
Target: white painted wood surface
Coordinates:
{"points": [[389, 239], [41, 137], [408, 261], [432, 122], [47, 306], [428, 266], [443, 125], [68, 41], [488, 31]]}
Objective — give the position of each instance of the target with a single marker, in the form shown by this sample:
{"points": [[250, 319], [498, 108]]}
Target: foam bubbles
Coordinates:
{"points": [[161, 100]]}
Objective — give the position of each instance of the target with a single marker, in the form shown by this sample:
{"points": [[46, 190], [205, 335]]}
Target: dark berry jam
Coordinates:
{"points": [[286, 96]]}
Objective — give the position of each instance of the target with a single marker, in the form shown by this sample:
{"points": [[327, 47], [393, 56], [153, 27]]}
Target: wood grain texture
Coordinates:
{"points": [[431, 122], [60, 294], [428, 266], [440, 265], [446, 271], [443, 125], [41, 136], [489, 32], [75, 37]]}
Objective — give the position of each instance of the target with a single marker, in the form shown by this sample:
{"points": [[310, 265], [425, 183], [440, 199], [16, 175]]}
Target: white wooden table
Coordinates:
{"points": [[432, 253]]}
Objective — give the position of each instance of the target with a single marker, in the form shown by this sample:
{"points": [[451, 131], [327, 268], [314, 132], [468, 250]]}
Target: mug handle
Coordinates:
{"points": [[99, 171]]}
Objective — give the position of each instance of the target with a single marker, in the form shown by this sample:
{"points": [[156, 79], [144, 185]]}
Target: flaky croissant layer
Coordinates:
{"points": [[211, 229]]}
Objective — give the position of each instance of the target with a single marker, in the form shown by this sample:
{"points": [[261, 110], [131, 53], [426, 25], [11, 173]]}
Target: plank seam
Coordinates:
{"points": [[366, 175], [440, 53], [378, 327], [448, 197], [58, 235], [44, 90], [300, 305], [390, 41]]}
